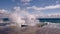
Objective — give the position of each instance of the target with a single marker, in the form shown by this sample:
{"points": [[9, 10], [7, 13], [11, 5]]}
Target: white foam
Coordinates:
{"points": [[53, 25]]}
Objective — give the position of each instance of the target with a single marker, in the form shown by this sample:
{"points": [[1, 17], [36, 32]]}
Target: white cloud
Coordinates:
{"points": [[44, 8], [54, 15], [3, 11], [17, 9], [24, 12], [25, 2]]}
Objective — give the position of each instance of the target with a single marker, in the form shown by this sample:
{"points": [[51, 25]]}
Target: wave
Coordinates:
{"points": [[52, 25]]}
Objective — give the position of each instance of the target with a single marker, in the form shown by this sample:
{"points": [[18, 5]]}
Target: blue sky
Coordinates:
{"points": [[33, 6]]}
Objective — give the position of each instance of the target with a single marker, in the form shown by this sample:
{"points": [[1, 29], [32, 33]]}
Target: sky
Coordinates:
{"points": [[39, 7]]}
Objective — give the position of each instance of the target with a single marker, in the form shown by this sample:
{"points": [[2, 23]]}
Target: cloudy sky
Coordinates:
{"points": [[40, 7]]}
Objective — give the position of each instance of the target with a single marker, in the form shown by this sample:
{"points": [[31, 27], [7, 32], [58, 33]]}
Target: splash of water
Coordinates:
{"points": [[21, 17]]}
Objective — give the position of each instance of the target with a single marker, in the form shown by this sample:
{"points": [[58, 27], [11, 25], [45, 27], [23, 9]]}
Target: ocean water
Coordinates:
{"points": [[52, 22]]}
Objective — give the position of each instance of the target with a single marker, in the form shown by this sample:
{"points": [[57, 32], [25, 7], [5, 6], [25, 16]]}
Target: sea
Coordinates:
{"points": [[52, 22]]}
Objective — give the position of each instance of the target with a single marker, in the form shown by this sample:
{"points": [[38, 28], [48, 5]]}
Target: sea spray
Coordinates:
{"points": [[21, 17], [28, 18], [17, 19]]}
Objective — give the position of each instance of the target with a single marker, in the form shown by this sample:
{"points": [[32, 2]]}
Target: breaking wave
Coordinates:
{"points": [[53, 25], [19, 18], [27, 19]]}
